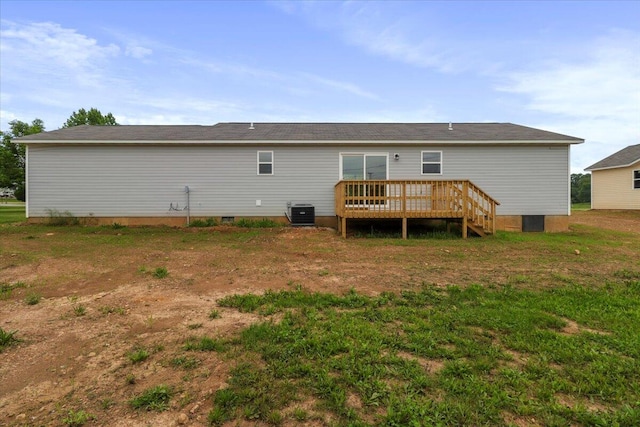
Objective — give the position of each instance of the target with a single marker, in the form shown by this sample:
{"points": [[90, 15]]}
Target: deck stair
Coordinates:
{"points": [[458, 200]]}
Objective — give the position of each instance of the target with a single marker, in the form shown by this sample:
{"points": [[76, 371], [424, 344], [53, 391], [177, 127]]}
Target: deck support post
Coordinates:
{"points": [[404, 227], [343, 220], [464, 227]]}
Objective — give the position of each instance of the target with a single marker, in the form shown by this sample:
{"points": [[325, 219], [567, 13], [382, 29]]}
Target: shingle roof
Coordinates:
{"points": [[301, 132], [623, 158]]}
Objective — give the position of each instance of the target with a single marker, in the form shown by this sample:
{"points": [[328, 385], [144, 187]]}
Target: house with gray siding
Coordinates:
{"points": [[170, 174]]}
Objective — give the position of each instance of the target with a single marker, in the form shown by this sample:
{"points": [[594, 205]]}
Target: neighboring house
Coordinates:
{"points": [[163, 174], [615, 181]]}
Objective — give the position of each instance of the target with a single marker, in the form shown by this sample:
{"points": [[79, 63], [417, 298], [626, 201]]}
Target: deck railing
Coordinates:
{"points": [[450, 199]]}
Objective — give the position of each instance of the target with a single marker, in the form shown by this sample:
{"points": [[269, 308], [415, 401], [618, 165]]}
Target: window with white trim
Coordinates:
{"points": [[431, 162], [636, 180], [265, 162]]}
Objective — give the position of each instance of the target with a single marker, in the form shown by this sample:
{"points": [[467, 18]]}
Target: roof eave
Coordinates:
{"points": [[591, 168], [301, 142]]}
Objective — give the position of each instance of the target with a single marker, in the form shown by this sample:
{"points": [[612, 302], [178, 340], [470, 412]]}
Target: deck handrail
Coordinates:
{"points": [[445, 199]]}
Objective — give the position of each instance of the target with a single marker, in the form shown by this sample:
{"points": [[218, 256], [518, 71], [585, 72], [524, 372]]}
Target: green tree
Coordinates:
{"points": [[91, 117], [580, 188], [13, 157]]}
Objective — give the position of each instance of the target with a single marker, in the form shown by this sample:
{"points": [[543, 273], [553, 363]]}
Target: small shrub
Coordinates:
{"points": [[160, 273], [77, 418], [130, 379], [32, 298], [7, 338], [117, 226], [138, 355], [154, 399]]}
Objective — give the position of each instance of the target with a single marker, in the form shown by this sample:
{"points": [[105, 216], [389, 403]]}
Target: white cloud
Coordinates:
{"points": [[341, 86], [137, 52], [381, 30], [49, 44], [596, 98]]}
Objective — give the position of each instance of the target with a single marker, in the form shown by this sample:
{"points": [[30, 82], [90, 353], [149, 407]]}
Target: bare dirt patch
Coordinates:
{"points": [[626, 221]]}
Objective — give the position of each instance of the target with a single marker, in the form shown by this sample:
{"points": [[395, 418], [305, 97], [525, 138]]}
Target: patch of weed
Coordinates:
{"points": [[32, 298], [77, 418], [7, 338], [185, 362], [214, 314], [107, 309], [79, 310], [153, 399], [57, 218], [204, 344], [209, 222], [160, 273], [138, 355], [257, 223], [194, 326]]}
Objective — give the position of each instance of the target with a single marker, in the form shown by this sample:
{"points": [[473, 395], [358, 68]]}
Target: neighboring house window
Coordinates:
{"points": [[636, 179], [265, 162], [431, 162]]}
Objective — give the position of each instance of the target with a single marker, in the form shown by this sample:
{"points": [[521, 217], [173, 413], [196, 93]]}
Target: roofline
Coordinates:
{"points": [[304, 142], [613, 167]]}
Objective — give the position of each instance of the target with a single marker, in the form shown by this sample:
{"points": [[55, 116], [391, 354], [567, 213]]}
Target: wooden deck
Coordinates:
{"points": [[459, 200]]}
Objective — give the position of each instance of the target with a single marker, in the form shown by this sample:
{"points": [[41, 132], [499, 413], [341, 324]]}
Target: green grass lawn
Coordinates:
{"points": [[456, 356], [581, 206], [11, 213]]}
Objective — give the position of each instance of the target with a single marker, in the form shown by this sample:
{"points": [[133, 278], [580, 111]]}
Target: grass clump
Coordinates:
{"points": [[214, 314], [7, 338], [138, 355], [153, 399], [79, 310], [204, 344], [6, 289], [32, 298], [185, 362], [77, 418], [107, 309], [160, 273]]}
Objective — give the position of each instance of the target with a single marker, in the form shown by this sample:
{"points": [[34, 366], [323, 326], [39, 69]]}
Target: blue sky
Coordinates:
{"points": [[570, 67]]}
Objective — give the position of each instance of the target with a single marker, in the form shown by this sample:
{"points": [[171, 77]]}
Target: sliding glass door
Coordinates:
{"points": [[365, 167]]}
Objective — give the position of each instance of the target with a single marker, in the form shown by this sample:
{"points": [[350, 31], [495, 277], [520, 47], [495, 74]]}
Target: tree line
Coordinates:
{"points": [[13, 154]]}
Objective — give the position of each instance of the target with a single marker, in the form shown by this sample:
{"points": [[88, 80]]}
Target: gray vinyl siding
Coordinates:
{"points": [[123, 180]]}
